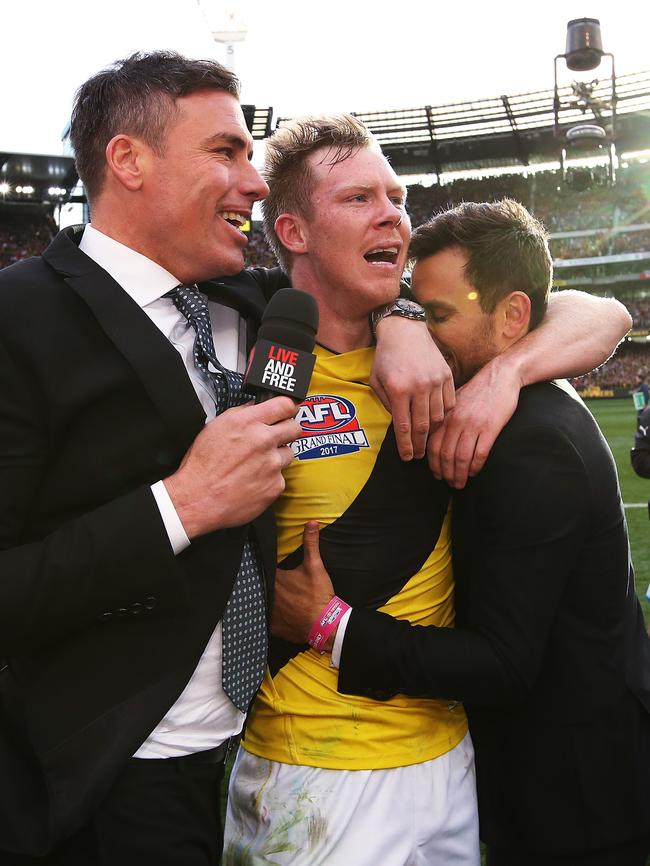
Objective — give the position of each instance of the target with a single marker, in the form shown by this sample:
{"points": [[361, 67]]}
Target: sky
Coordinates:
{"points": [[299, 56]]}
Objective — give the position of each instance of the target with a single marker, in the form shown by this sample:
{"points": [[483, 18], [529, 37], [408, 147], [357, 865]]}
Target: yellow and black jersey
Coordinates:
{"points": [[385, 543]]}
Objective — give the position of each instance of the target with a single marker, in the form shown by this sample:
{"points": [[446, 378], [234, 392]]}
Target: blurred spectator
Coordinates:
{"points": [[641, 391], [620, 372], [640, 454], [24, 235], [604, 210], [257, 254]]}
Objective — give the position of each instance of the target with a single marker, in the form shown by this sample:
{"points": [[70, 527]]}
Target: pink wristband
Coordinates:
{"points": [[326, 623]]}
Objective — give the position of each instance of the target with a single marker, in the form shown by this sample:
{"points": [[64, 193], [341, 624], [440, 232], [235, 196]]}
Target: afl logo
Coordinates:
{"points": [[324, 412], [330, 428]]}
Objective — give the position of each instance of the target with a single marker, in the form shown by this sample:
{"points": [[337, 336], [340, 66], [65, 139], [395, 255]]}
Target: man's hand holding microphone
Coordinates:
{"points": [[232, 471]]}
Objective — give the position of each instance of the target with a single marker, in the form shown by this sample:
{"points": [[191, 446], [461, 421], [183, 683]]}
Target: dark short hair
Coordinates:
{"points": [[136, 96], [287, 170], [506, 247]]}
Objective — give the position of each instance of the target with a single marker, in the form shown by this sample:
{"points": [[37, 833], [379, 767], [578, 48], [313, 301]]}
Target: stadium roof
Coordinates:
{"points": [[504, 130], [39, 174]]}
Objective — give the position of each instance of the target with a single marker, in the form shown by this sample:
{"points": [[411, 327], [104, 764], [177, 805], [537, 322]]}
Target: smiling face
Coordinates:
{"points": [[201, 189], [465, 334], [357, 233]]}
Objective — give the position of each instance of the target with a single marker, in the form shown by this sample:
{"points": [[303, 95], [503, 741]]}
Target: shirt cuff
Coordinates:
{"points": [[175, 531], [338, 640]]}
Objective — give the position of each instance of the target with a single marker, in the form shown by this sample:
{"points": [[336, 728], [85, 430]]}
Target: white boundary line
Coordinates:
{"points": [[635, 505]]}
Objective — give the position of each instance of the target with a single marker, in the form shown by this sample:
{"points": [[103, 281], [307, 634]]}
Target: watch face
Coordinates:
{"points": [[409, 309], [408, 306]]}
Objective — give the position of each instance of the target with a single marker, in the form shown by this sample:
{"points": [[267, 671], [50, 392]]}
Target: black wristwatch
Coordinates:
{"points": [[399, 307]]}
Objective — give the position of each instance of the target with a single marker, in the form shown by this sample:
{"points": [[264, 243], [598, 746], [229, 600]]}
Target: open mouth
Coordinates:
{"points": [[237, 220], [382, 255]]}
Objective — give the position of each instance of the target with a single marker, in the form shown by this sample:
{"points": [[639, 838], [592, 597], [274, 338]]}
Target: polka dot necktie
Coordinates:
{"points": [[244, 633]]}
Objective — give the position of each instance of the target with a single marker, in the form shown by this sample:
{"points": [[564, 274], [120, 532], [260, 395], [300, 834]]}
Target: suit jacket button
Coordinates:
{"points": [[136, 607], [106, 616], [150, 602], [121, 611]]}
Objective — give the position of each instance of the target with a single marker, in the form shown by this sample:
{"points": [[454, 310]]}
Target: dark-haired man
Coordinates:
{"points": [[325, 778], [123, 515], [130, 528], [549, 654]]}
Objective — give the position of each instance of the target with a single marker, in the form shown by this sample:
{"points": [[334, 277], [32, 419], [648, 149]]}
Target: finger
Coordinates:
{"points": [[401, 409], [481, 452], [286, 456], [271, 411], [436, 407], [465, 450], [448, 453], [448, 394], [284, 432], [419, 425], [311, 544], [433, 451]]}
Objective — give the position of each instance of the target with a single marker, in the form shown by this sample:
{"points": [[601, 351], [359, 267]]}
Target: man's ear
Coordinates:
{"points": [[516, 315], [124, 160], [291, 233]]}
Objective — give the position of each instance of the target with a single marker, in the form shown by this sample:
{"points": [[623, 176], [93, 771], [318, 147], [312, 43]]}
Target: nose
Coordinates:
{"points": [[254, 185], [392, 214]]}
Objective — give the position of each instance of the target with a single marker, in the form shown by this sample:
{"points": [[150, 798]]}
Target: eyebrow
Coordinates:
{"points": [[368, 187], [237, 141], [439, 305]]}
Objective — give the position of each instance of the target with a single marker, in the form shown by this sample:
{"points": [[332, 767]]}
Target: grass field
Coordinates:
{"points": [[617, 420]]}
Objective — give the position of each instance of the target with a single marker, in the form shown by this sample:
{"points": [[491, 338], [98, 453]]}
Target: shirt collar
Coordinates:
{"points": [[140, 277]]}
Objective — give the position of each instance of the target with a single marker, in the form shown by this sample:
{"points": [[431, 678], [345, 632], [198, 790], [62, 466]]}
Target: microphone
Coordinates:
{"points": [[282, 362]]}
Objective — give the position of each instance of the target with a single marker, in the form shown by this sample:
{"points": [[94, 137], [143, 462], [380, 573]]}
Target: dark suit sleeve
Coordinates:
{"points": [[269, 280], [66, 579], [529, 515]]}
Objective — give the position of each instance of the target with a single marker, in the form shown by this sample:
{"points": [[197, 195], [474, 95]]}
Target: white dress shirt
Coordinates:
{"points": [[203, 716]]}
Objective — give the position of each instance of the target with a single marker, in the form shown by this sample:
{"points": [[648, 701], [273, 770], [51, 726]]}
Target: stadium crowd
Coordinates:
{"points": [[605, 209], [24, 235], [619, 372]]}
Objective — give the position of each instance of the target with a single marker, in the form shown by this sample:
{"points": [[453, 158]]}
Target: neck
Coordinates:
{"points": [[343, 335], [121, 222], [342, 327]]}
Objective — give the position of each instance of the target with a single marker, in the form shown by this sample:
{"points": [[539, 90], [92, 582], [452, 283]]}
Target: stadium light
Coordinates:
{"points": [[584, 44], [4, 188], [227, 24], [596, 135]]}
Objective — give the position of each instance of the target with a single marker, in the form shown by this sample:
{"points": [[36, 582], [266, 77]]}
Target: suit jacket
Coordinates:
{"points": [[101, 626], [550, 655]]}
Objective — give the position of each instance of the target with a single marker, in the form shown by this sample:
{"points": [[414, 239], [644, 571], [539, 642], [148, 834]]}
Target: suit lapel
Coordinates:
{"points": [[153, 359]]}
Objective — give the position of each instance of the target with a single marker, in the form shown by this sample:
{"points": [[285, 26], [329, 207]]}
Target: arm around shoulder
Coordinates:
{"points": [[520, 553]]}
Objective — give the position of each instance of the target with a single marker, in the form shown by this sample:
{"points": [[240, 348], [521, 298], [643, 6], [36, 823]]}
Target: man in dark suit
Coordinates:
{"points": [[124, 517], [549, 653]]}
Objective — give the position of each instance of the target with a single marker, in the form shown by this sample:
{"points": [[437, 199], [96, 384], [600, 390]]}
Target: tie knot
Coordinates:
{"points": [[188, 301]]}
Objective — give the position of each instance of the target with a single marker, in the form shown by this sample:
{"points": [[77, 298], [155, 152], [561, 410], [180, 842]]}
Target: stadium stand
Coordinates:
{"points": [[600, 236], [24, 234]]}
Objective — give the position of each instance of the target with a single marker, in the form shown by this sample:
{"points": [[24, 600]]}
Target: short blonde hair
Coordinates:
{"points": [[287, 170]]}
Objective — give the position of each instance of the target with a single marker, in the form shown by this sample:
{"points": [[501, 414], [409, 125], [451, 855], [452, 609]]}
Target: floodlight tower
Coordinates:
{"points": [[584, 52], [227, 24]]}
